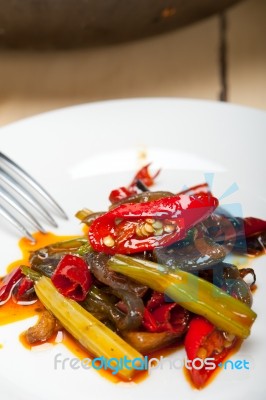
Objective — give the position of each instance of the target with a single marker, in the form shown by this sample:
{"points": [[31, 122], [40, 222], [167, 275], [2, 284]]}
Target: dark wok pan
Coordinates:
{"points": [[77, 23]]}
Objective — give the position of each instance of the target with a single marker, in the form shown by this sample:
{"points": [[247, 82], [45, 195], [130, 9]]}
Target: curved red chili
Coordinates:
{"points": [[162, 316], [132, 228], [8, 283], [144, 176], [204, 342], [72, 277], [254, 226], [24, 291], [123, 192]]}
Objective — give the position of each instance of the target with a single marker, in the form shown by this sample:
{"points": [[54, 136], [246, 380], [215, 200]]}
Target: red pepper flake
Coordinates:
{"points": [[157, 299], [8, 283], [162, 316], [123, 192], [72, 277], [144, 176], [24, 287], [254, 226]]}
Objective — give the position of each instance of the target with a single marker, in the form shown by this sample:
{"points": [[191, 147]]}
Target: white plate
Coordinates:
{"points": [[80, 154]]}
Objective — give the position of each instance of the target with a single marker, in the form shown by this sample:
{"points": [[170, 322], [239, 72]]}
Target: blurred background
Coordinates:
{"points": [[52, 57]]}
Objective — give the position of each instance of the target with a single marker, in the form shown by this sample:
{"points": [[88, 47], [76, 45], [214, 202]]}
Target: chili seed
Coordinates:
{"points": [[202, 353], [169, 228], [157, 225], [138, 231], [149, 228], [150, 220], [158, 232], [108, 241], [228, 336], [218, 350], [143, 231]]}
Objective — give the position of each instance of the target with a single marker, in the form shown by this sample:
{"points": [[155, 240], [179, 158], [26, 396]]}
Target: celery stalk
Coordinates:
{"points": [[91, 333], [193, 293]]}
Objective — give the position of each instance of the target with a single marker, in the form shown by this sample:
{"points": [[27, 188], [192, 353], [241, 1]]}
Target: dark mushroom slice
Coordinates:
{"points": [[99, 268], [254, 245], [240, 290], [46, 259], [148, 342], [100, 301], [134, 309], [248, 275], [44, 329], [228, 277], [231, 232], [41, 258], [200, 254], [103, 308], [52, 254]]}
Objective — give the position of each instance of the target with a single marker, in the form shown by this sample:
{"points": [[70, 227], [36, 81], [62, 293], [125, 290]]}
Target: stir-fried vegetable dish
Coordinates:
{"points": [[150, 272]]}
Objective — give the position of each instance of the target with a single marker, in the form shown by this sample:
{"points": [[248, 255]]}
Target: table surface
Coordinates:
{"points": [[183, 63]]}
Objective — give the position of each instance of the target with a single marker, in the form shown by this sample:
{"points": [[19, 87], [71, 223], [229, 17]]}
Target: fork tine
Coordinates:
{"points": [[9, 217], [14, 184], [22, 210], [24, 175]]}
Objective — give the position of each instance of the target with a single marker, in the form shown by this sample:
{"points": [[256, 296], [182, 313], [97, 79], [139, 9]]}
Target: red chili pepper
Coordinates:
{"points": [[72, 277], [132, 228], [157, 299], [144, 176], [162, 316], [149, 322], [169, 317], [201, 341], [23, 292], [8, 283], [254, 226], [123, 192]]}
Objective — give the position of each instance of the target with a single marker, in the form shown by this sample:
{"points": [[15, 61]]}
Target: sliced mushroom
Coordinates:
{"points": [[45, 327]]}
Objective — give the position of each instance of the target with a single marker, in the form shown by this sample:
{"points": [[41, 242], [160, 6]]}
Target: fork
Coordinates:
{"points": [[13, 181]]}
